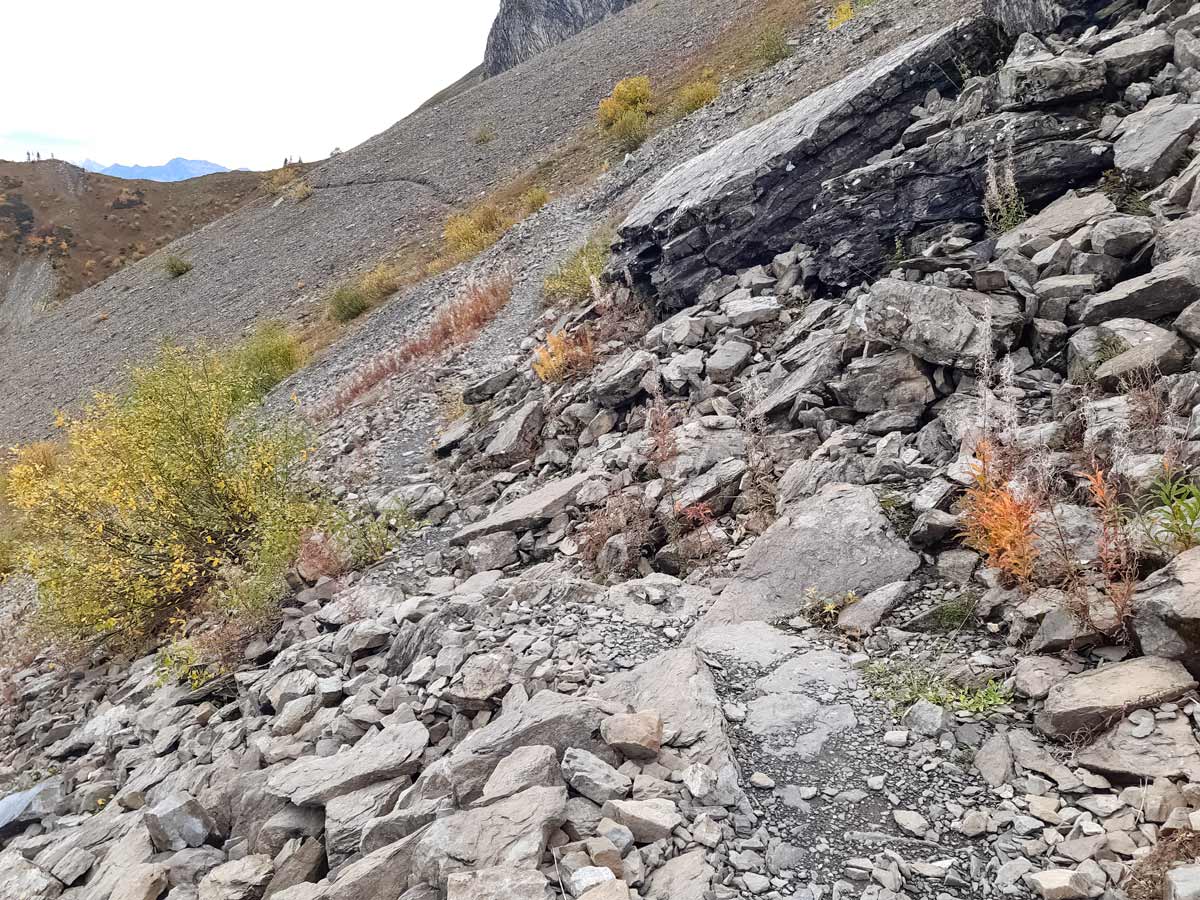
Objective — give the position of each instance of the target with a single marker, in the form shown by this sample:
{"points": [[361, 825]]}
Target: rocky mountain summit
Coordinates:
{"points": [[788, 565], [524, 28]]}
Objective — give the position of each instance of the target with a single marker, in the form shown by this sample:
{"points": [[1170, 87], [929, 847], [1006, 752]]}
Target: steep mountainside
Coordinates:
{"points": [[797, 580], [77, 227], [280, 259], [525, 28]]}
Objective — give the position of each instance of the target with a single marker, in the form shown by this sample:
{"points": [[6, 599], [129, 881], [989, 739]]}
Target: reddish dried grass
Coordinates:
{"points": [[997, 522], [455, 325]]}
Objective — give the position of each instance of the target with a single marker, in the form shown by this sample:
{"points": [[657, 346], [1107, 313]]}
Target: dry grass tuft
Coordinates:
{"points": [[623, 514], [473, 232], [534, 199], [365, 292], [456, 324], [565, 354], [1148, 875], [571, 282]]}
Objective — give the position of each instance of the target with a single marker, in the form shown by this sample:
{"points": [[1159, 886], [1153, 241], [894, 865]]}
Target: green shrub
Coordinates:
{"points": [[572, 281], [771, 47], [904, 683], [347, 304], [631, 129], [165, 496], [697, 94], [1171, 515], [268, 356], [177, 266], [485, 135]]}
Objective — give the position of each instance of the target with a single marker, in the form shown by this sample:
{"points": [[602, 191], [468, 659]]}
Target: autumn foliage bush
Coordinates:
{"points": [[624, 114], [998, 521], [160, 497]]}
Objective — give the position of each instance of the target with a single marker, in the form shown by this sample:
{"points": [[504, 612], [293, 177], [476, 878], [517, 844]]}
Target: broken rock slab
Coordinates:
{"points": [[526, 512], [742, 200], [512, 832], [379, 756], [1094, 699], [944, 326], [1166, 611], [1169, 751], [497, 883], [834, 542]]}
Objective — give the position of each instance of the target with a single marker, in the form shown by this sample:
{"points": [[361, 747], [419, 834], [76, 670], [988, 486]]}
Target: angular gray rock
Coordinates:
{"points": [[593, 777], [944, 326], [497, 883], [649, 820], [834, 542], [1096, 698], [1165, 290], [1154, 141], [178, 821], [1166, 611], [1047, 16], [381, 755], [619, 379], [533, 766], [517, 436], [535, 508], [239, 879], [512, 832], [1137, 57], [1170, 750], [742, 200], [863, 617]]}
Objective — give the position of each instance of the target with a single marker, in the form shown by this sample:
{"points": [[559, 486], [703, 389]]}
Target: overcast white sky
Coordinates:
{"points": [[238, 83]]}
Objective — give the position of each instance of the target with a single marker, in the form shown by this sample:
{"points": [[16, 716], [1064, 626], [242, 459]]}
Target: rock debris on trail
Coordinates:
{"points": [[698, 623]]}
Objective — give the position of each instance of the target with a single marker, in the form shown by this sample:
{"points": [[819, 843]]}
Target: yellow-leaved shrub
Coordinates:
{"points": [[162, 496]]}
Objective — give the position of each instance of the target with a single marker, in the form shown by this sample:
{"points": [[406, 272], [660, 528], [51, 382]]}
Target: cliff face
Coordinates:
{"points": [[524, 28]]}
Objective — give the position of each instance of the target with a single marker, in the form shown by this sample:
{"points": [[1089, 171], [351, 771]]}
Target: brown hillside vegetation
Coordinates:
{"points": [[89, 225]]}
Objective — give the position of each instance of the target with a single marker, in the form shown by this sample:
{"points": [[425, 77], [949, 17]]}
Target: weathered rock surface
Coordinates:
{"points": [[1095, 699], [835, 542], [708, 216], [524, 28]]}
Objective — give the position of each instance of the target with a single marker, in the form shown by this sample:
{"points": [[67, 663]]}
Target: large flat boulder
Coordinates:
{"points": [[1095, 699], [1155, 140], [1165, 290], [832, 543], [380, 756], [1127, 752], [511, 832], [526, 512], [741, 200]]}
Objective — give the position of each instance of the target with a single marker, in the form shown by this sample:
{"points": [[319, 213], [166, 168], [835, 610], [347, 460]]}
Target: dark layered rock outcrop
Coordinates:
{"points": [[747, 197]]}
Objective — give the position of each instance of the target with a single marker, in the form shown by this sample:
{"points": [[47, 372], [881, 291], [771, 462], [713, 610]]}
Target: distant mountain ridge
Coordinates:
{"points": [[177, 169]]}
